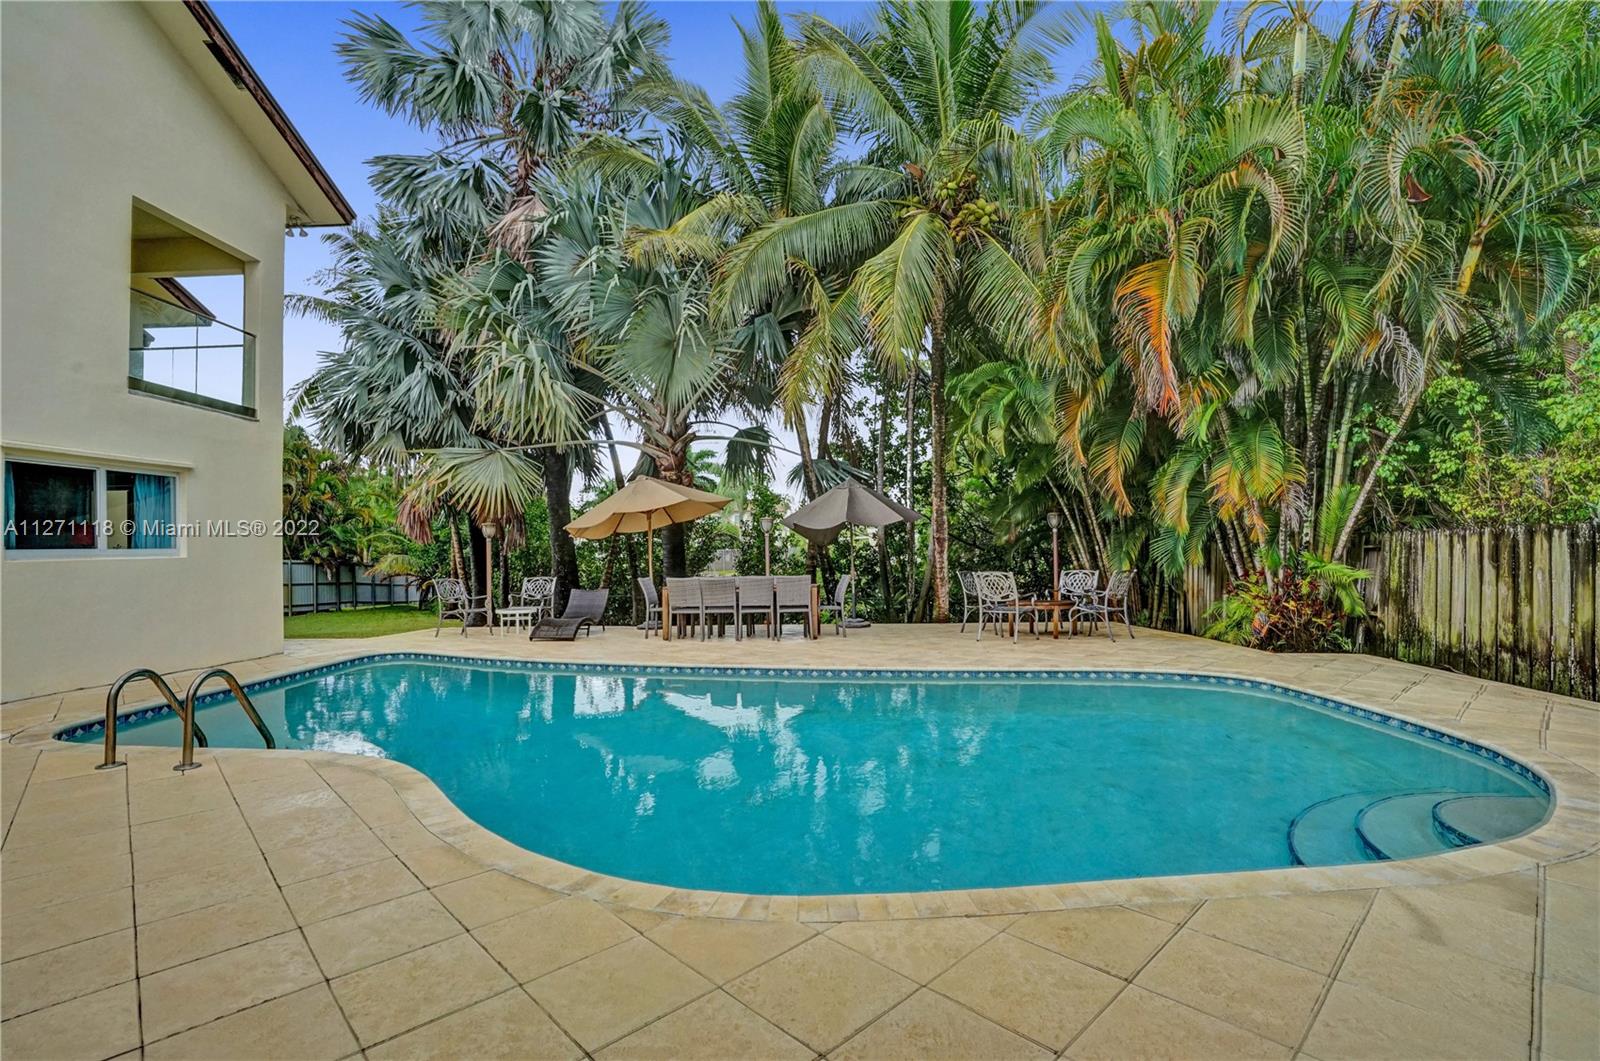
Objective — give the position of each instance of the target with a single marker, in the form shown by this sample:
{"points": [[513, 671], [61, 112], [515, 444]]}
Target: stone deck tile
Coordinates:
{"points": [[417, 926]]}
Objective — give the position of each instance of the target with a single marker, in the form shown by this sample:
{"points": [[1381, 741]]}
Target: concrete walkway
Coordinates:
{"points": [[307, 905]]}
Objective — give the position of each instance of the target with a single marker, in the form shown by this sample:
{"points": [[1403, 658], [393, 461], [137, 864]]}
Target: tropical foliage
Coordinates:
{"points": [[1254, 283]]}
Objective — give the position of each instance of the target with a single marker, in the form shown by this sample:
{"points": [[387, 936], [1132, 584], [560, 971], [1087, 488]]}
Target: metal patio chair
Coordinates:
{"points": [[456, 603], [538, 591], [969, 595], [998, 600], [1108, 604]]}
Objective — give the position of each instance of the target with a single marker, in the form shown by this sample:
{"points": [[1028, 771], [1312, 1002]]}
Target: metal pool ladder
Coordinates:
{"points": [[185, 712]]}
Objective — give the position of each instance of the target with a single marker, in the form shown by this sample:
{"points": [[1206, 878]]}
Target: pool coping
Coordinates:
{"points": [[1570, 830]]}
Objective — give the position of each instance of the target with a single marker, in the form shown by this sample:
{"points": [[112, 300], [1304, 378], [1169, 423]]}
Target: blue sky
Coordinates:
{"points": [[291, 47]]}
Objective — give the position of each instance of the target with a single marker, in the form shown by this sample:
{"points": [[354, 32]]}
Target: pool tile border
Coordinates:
{"points": [[1489, 753], [1569, 831]]}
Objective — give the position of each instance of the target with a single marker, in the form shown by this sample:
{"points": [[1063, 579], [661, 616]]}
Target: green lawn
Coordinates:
{"points": [[361, 622]]}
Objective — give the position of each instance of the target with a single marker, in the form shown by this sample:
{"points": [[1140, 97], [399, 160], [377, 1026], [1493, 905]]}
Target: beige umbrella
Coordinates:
{"points": [[643, 505]]}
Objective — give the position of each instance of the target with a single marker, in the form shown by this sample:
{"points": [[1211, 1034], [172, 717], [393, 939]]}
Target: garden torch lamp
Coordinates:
{"points": [[1054, 519], [766, 535], [491, 530]]}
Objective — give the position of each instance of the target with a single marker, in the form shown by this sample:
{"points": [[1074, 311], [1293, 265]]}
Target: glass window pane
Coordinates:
{"points": [[140, 510], [49, 507]]}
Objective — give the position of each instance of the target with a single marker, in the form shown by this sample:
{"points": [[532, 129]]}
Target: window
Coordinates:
{"points": [[54, 508]]}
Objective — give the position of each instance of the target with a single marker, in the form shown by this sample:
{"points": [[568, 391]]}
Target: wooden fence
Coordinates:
{"points": [[308, 588], [1515, 604]]}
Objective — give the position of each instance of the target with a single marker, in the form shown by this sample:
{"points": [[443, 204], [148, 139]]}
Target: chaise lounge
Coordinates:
{"points": [[585, 607]]}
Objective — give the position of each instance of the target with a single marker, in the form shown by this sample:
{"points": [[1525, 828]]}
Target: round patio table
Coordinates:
{"points": [[1054, 605]]}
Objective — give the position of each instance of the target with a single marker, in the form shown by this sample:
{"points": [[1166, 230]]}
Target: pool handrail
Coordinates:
{"points": [[115, 693], [187, 762]]}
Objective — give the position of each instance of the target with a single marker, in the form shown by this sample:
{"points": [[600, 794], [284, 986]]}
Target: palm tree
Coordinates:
{"points": [[929, 88], [509, 89], [632, 297], [1248, 264]]}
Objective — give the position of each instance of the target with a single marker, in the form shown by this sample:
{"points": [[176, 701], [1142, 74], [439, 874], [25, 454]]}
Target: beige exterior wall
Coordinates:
{"points": [[100, 110]]}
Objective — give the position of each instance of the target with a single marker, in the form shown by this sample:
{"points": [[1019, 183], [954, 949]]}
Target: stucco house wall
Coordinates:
{"points": [[101, 111]]}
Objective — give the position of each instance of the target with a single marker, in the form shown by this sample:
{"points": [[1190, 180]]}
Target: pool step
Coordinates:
{"points": [[1402, 826], [1471, 819], [1324, 833]]}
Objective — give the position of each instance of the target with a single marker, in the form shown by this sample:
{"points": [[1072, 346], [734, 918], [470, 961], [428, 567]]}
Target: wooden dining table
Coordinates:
{"points": [[813, 621]]}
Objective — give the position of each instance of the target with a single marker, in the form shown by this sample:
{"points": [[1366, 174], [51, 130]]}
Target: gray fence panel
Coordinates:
{"points": [[308, 588]]}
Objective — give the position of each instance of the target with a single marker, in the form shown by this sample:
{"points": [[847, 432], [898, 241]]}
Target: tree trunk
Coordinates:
{"points": [[911, 454], [675, 550], [1102, 554], [458, 564], [629, 544], [476, 553], [939, 500], [558, 502], [808, 465], [1372, 476], [877, 484]]}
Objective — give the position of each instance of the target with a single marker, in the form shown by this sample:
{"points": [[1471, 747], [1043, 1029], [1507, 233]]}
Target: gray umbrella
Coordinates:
{"points": [[849, 503]]}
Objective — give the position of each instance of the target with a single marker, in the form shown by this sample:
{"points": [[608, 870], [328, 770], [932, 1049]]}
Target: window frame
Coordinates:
{"points": [[101, 549]]}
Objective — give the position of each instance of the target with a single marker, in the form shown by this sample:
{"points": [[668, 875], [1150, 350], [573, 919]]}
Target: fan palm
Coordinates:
{"points": [[509, 88]]}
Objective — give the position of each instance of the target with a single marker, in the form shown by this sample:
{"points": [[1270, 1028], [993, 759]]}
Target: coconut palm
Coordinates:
{"points": [[770, 153], [929, 88]]}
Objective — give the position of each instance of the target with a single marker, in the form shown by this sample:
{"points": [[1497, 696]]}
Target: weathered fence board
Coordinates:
{"points": [[1515, 604]]}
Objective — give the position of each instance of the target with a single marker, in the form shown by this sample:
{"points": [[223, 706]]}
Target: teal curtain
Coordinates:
{"points": [[11, 509], [153, 512]]}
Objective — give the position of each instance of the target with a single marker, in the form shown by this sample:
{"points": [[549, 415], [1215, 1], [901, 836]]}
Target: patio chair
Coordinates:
{"points": [[719, 596], [755, 600], [1109, 603], [585, 608], [969, 595], [838, 605], [1079, 585], [537, 591], [456, 603], [792, 594], [683, 599], [652, 606], [998, 600]]}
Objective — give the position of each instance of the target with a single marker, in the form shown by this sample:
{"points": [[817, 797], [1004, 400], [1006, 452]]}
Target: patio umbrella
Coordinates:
{"points": [[848, 504], [643, 505]]}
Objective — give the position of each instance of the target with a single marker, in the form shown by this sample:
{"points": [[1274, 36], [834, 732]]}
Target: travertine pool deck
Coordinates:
{"points": [[310, 905]]}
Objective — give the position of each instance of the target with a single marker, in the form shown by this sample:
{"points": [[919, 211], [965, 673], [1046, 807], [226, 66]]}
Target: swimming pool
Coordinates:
{"points": [[807, 782]]}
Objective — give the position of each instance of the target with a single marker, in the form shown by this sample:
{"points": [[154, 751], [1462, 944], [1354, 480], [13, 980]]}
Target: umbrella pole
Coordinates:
{"points": [[853, 623], [852, 533]]}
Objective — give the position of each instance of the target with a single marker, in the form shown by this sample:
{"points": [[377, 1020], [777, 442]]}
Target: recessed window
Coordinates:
{"points": [[187, 341], [72, 509]]}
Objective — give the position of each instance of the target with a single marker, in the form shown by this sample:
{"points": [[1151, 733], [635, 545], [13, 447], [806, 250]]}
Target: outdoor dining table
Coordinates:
{"points": [[813, 622], [1055, 606]]}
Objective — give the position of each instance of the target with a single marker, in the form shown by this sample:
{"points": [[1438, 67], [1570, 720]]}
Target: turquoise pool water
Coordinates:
{"points": [[780, 784]]}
